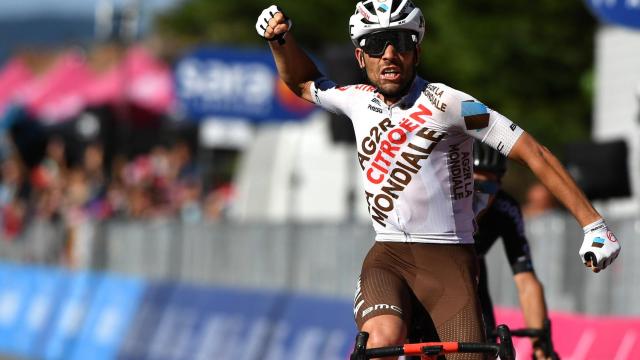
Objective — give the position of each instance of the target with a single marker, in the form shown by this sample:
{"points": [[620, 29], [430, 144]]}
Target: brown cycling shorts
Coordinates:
{"points": [[404, 278]]}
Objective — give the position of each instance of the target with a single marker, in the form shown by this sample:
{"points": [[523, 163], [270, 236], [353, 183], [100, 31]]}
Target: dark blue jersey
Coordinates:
{"points": [[503, 219]]}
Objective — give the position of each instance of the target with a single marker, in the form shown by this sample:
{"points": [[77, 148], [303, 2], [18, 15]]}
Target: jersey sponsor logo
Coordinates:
{"points": [[383, 8], [513, 127], [598, 242], [475, 114], [460, 172], [434, 95], [376, 101], [390, 160], [378, 307], [375, 109], [611, 237]]}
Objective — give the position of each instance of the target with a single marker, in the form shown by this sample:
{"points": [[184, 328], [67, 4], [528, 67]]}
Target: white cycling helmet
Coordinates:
{"points": [[376, 15]]}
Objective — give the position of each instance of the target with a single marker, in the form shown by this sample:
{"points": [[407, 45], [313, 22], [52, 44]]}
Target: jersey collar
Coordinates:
{"points": [[412, 95]]}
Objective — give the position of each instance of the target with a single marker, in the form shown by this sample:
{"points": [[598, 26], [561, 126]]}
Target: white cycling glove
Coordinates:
{"points": [[263, 22], [599, 245]]}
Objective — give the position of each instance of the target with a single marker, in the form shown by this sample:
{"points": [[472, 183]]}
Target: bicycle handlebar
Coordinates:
{"points": [[544, 341], [431, 349]]}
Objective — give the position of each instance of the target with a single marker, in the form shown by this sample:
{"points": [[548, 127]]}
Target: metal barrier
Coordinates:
{"points": [[322, 259]]}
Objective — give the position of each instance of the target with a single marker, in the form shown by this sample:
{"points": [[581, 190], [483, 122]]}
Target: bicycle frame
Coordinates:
{"points": [[431, 350]]}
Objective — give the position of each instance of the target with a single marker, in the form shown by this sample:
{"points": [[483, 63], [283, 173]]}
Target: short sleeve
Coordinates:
{"points": [[331, 97], [480, 122]]}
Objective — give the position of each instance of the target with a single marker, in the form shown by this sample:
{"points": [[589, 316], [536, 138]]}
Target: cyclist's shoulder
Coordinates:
{"points": [[324, 84], [327, 93], [451, 102], [443, 90]]}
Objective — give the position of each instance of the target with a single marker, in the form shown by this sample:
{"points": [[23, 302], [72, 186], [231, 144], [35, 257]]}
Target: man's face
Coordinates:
{"points": [[392, 69]]}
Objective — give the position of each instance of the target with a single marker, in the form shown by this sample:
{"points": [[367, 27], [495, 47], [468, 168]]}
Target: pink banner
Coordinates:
{"points": [[581, 337], [58, 94], [13, 76]]}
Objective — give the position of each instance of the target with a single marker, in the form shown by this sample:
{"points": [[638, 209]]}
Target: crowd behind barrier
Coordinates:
{"points": [[73, 196], [321, 259]]}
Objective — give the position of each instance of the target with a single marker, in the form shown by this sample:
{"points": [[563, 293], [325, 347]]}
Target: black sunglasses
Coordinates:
{"points": [[376, 43]]}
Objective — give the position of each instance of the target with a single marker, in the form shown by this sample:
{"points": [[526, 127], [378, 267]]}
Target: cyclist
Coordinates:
{"points": [[414, 141], [499, 216]]}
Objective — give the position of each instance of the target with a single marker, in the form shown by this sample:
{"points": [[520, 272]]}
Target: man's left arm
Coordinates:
{"points": [[599, 240], [553, 175]]}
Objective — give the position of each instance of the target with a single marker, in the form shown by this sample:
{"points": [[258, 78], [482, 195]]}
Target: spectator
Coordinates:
{"points": [[538, 201], [93, 168], [49, 179], [14, 194], [217, 202]]}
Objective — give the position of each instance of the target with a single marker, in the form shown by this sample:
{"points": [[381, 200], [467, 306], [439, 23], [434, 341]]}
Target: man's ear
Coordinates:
{"points": [[360, 57]]}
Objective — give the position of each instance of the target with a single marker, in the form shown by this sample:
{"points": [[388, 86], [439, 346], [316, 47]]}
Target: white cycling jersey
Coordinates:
{"points": [[416, 156]]}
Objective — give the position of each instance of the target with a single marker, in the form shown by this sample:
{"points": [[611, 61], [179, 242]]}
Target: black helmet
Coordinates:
{"points": [[486, 158]]}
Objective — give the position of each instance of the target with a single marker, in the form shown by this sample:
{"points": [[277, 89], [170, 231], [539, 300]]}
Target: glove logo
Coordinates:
{"points": [[611, 237], [598, 242]]}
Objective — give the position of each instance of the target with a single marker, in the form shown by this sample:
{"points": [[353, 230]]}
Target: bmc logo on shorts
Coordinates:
{"points": [[378, 307]]}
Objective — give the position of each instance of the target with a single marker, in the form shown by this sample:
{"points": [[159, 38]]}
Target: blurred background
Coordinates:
{"points": [[163, 195]]}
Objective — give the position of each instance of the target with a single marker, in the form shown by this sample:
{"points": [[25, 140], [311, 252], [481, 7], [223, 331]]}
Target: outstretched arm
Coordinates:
{"points": [[553, 175], [599, 241], [295, 67]]}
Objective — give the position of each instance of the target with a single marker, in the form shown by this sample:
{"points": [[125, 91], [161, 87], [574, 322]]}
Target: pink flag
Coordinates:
{"points": [[59, 94], [107, 88], [150, 84], [139, 80]]}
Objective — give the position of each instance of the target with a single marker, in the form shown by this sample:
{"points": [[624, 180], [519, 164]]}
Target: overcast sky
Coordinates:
{"points": [[25, 8]]}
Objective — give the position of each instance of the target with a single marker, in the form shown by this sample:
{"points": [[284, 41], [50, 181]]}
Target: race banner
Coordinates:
{"points": [[235, 83], [581, 337], [616, 12]]}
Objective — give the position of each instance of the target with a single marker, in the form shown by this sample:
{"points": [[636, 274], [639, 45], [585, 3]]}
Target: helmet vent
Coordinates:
{"points": [[370, 8], [395, 6]]}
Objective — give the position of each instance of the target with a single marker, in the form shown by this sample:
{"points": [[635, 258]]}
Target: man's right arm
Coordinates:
{"points": [[295, 67]]}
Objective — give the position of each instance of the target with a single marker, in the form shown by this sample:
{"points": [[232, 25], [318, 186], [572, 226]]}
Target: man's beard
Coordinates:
{"points": [[397, 94]]}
